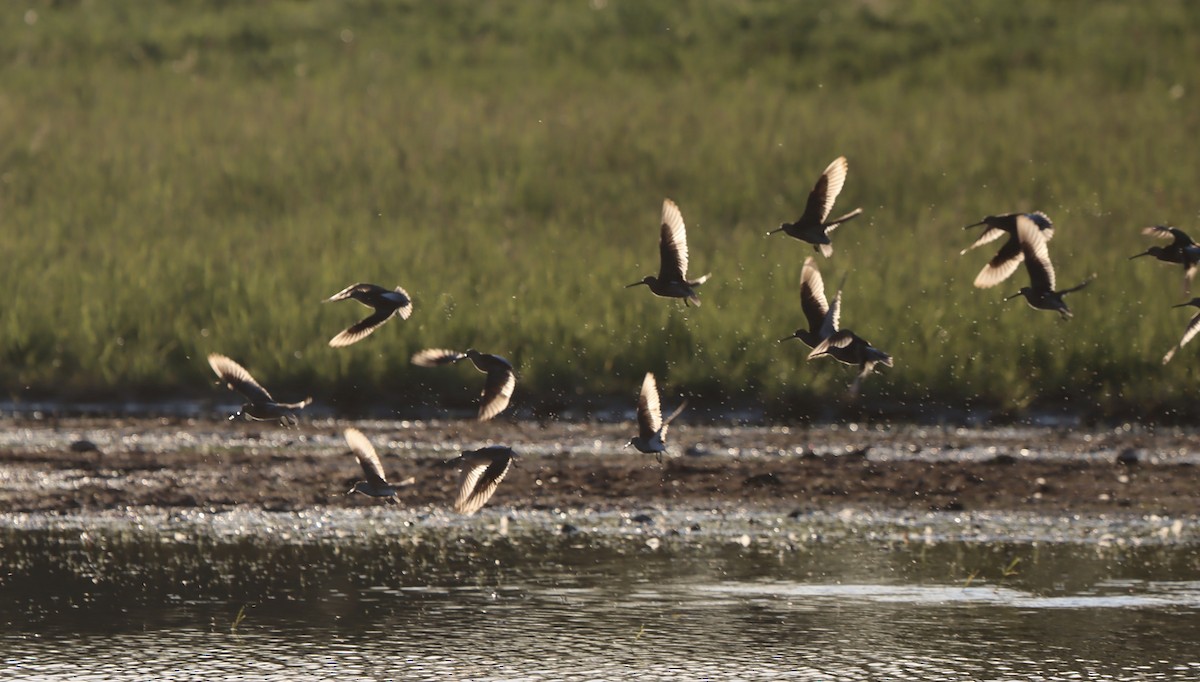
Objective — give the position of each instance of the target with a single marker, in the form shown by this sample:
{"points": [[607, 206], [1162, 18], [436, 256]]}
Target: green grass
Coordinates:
{"points": [[185, 177]]}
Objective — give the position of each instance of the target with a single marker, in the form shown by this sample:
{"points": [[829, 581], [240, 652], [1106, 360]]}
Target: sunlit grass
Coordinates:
{"points": [[196, 177]]}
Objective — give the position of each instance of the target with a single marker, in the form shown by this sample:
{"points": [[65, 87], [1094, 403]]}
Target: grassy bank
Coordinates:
{"points": [[181, 178]]}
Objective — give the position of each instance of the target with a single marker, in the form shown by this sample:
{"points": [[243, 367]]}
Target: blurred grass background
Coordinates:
{"points": [[185, 177]]}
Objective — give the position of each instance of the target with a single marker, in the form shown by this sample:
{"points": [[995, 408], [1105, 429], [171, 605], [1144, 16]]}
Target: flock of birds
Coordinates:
{"points": [[483, 469]]}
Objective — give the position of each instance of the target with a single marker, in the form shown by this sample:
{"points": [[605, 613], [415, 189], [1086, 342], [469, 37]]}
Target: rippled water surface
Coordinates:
{"points": [[371, 594]]}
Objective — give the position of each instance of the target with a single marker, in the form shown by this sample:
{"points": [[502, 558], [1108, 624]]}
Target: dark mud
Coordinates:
{"points": [[91, 465]]}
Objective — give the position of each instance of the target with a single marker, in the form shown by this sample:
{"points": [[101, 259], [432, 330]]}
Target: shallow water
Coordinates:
{"points": [[373, 594]]}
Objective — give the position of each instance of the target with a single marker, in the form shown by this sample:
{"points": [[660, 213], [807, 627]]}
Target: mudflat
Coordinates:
{"points": [[97, 464]]}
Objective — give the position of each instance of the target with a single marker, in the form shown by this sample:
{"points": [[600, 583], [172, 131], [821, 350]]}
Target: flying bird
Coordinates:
{"points": [[260, 406], [823, 318], [497, 388], [386, 303], [376, 484], [482, 471], [1190, 331], [1181, 250], [849, 348], [813, 225], [1009, 257], [652, 429], [672, 281], [1041, 293]]}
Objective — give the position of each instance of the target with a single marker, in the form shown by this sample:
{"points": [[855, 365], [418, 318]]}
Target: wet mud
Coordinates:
{"points": [[91, 465]]}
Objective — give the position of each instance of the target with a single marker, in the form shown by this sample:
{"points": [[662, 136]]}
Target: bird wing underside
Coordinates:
{"points": [[363, 328], [238, 379], [649, 413], [436, 357], [833, 317], [482, 473], [367, 458], [840, 339], [1002, 265], [989, 235], [1037, 255], [672, 244], [812, 295], [497, 391], [826, 191]]}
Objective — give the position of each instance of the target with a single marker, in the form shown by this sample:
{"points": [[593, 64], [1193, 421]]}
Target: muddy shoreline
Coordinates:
{"points": [[96, 464]]}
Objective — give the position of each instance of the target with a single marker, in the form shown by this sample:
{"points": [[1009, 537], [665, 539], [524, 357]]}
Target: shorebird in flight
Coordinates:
{"points": [[1190, 331], [849, 348], [1009, 257], [823, 318], [385, 302], [824, 335], [1041, 293], [260, 406], [672, 281], [1181, 250], [482, 471], [814, 225], [497, 388], [376, 484], [652, 428]]}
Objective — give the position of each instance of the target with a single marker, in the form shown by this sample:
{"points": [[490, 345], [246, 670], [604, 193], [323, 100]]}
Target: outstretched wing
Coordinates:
{"points": [[482, 472], [238, 379], [672, 244], [1002, 265], [840, 339], [363, 328], [367, 458], [812, 295], [497, 390], [1037, 255], [826, 191], [649, 412], [1181, 239], [436, 357]]}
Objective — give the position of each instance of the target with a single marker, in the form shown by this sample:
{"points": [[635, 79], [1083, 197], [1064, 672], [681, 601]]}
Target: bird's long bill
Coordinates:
{"points": [[1144, 253], [1009, 298], [634, 284], [1182, 305], [981, 222], [778, 229], [786, 338]]}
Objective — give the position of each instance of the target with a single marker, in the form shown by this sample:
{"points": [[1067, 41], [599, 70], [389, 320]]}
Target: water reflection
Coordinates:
{"points": [[417, 599]]}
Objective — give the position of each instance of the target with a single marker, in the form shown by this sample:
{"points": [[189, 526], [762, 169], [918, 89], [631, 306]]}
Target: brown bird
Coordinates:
{"points": [[482, 471], [497, 388], [1040, 294], [1181, 250], [1190, 331], [813, 226], [260, 406], [386, 302], [823, 318], [376, 484], [1009, 257], [652, 428], [672, 281]]}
